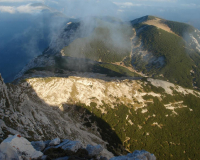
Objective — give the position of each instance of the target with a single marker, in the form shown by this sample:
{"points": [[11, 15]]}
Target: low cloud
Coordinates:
{"points": [[190, 5], [22, 9], [20, 1], [8, 9], [127, 4]]}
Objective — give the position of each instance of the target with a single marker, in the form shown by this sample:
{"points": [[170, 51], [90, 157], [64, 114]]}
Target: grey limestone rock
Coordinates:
{"points": [[94, 150], [136, 155], [16, 147], [55, 142], [47, 143], [70, 145], [2, 155], [38, 145]]}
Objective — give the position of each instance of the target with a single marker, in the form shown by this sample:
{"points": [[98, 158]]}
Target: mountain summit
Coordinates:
{"points": [[167, 50]]}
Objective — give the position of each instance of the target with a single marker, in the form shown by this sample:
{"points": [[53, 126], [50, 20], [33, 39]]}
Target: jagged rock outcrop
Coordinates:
{"points": [[18, 148]]}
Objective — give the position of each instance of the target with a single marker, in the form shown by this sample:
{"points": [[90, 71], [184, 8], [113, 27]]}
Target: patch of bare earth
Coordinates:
{"points": [[157, 22]]}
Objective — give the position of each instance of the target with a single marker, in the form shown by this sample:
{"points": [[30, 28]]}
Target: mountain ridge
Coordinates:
{"points": [[158, 51], [139, 97], [140, 106]]}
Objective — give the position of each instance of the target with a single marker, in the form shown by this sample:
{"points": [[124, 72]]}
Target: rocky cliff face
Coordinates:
{"points": [[22, 111]]}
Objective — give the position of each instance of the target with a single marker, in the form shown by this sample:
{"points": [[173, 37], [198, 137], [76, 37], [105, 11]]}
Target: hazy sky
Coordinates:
{"points": [[178, 10]]}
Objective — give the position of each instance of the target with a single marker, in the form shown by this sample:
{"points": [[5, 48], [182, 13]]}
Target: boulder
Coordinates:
{"points": [[94, 150], [16, 147], [47, 143], [73, 146], [8, 152], [2, 155], [38, 145], [143, 155], [136, 155], [55, 142]]}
